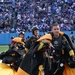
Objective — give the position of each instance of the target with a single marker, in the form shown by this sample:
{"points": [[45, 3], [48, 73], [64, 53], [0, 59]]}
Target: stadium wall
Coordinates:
{"points": [[6, 37]]}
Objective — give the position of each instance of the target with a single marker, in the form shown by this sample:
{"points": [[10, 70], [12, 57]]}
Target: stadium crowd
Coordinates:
{"points": [[24, 14]]}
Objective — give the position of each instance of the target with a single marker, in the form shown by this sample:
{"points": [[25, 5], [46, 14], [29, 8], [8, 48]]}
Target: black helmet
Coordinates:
{"points": [[34, 28]]}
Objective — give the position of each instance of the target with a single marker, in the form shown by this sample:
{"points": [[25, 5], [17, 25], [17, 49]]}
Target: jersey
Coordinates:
{"points": [[30, 42]]}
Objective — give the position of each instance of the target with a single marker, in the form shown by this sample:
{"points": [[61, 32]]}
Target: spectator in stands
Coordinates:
{"points": [[40, 12]]}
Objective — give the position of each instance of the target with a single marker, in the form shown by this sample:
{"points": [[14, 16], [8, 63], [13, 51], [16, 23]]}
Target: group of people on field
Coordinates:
{"points": [[48, 53]]}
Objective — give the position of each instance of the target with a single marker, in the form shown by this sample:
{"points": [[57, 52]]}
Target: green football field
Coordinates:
{"points": [[3, 48]]}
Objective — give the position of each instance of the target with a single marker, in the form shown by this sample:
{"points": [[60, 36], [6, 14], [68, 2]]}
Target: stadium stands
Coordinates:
{"points": [[23, 14]]}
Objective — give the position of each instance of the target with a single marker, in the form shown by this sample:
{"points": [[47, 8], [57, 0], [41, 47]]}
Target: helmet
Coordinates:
{"points": [[34, 28]]}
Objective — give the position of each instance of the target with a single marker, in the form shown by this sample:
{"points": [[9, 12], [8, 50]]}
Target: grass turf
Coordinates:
{"points": [[3, 48]]}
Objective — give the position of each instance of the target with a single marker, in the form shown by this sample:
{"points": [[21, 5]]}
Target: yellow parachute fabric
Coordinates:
{"points": [[2, 65], [19, 40], [45, 37], [68, 70], [6, 70]]}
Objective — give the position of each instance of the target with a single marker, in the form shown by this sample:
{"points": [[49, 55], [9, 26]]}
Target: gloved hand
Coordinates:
{"points": [[73, 57]]}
